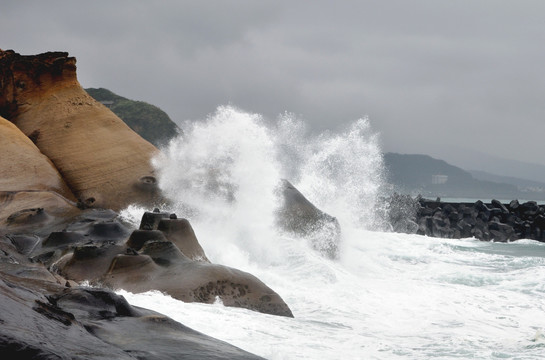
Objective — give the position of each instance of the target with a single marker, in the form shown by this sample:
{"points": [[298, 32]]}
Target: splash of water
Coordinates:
{"points": [[341, 173], [223, 173], [390, 296]]}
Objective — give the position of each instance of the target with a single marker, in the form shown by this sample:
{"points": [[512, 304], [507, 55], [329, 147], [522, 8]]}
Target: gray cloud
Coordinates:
{"points": [[430, 74]]}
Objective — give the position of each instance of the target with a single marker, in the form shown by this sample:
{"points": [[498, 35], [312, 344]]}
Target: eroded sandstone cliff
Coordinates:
{"points": [[66, 162], [103, 162], [27, 168]]}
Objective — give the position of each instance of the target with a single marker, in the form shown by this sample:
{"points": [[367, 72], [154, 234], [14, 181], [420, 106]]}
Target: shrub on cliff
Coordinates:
{"points": [[150, 122]]}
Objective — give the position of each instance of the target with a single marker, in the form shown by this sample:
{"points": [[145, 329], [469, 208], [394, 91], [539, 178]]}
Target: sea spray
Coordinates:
{"points": [[342, 173], [389, 296], [223, 175], [398, 296]]}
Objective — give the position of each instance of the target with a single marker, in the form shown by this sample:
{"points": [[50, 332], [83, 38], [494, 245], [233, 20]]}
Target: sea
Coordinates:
{"points": [[387, 296]]}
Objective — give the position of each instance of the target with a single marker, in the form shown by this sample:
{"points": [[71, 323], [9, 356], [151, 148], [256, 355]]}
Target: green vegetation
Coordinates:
{"points": [[150, 122]]}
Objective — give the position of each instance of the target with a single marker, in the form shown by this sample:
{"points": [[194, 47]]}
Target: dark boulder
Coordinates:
{"points": [[514, 205], [44, 320], [528, 209], [150, 220], [169, 259], [300, 217], [501, 232], [180, 232], [489, 222], [539, 222]]}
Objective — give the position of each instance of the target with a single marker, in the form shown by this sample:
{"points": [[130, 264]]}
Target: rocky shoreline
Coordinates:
{"points": [[68, 166], [493, 221]]}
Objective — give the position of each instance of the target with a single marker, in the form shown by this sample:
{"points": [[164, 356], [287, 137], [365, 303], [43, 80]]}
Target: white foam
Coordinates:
{"points": [[389, 296]]}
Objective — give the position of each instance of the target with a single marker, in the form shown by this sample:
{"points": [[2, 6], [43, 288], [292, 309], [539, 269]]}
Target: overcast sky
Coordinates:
{"points": [[433, 76]]}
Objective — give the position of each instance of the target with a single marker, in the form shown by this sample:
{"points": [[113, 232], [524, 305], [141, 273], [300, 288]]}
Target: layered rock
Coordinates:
{"points": [[33, 194], [103, 162], [38, 212], [24, 167], [66, 162], [43, 317], [164, 256]]}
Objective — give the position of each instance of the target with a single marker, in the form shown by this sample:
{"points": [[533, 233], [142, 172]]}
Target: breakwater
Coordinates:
{"points": [[494, 221]]}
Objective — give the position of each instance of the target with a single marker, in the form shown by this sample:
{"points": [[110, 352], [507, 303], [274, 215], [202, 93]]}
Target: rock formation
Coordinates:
{"points": [[492, 221], [96, 248], [25, 166], [43, 317], [103, 162], [300, 217], [66, 162], [32, 192]]}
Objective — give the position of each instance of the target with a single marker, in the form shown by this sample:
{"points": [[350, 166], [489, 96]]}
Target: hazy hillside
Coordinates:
{"points": [[150, 122], [422, 174], [416, 171], [467, 158], [521, 184]]}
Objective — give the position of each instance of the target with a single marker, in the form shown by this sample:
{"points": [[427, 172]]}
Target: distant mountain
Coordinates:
{"points": [[429, 177], [150, 122], [417, 171], [521, 184], [467, 158]]}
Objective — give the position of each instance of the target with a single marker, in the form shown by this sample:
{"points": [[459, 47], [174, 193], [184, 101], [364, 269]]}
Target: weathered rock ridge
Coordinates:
{"points": [[103, 162], [25, 166], [29, 183], [43, 316], [66, 162], [164, 254]]}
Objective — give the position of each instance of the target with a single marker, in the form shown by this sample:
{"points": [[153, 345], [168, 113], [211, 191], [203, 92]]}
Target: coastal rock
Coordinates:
{"points": [[170, 260], [33, 195], [160, 267], [103, 162], [180, 232], [300, 217], [66, 162], [489, 222], [38, 212], [24, 166], [43, 319]]}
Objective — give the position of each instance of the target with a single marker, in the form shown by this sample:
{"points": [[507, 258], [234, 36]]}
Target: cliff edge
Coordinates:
{"points": [[104, 163]]}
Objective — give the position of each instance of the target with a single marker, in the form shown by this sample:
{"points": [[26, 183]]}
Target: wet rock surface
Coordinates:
{"points": [[164, 254], [494, 221], [168, 257], [65, 159], [42, 319], [299, 217], [44, 314]]}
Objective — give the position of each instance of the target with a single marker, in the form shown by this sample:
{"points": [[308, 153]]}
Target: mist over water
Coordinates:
{"points": [[223, 175], [388, 296]]}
